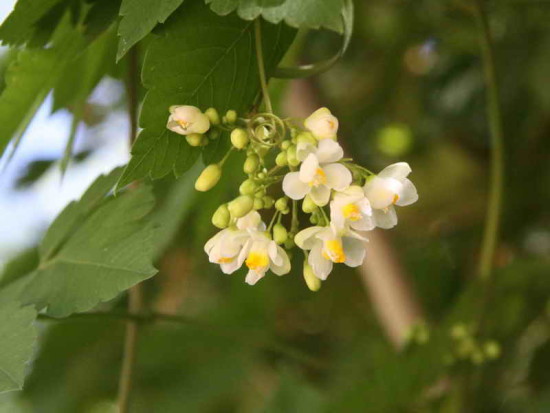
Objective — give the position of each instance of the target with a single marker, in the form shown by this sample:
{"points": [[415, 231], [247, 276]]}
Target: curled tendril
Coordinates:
{"points": [[267, 129]]}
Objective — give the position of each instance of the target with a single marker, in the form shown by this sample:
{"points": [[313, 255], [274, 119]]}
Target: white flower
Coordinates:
{"points": [[322, 124], [330, 245], [186, 120], [352, 208], [318, 174], [225, 247], [260, 254], [390, 187]]}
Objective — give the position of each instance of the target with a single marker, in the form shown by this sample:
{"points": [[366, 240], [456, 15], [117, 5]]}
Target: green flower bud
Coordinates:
{"points": [[285, 211], [280, 234], [261, 175], [221, 217], [258, 203], [251, 164], [312, 282], [306, 137], [214, 134], [289, 243], [286, 144], [262, 150], [213, 116], [195, 139], [239, 138], [308, 206], [281, 204], [248, 187], [492, 350], [291, 156], [314, 219], [268, 202], [241, 206], [208, 178], [231, 116], [281, 160]]}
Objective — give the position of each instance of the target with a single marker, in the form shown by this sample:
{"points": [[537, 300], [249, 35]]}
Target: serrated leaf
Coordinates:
{"points": [[139, 17], [198, 59], [311, 14], [16, 346], [95, 249]]}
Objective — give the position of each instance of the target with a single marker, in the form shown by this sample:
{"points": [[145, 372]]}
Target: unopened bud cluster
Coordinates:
{"points": [[467, 347], [292, 168]]}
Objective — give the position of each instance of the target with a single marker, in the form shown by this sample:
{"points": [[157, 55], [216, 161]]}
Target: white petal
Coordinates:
{"points": [[273, 253], [230, 267], [213, 241], [320, 265], [320, 195], [293, 187], [329, 151], [253, 277], [303, 149], [284, 266], [322, 124], [366, 223], [251, 220], [308, 169], [385, 218], [354, 250], [397, 171], [408, 194], [305, 239], [338, 176], [336, 215], [382, 192]]}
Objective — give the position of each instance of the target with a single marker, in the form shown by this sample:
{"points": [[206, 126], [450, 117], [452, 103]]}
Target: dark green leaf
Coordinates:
{"points": [[18, 336], [198, 59], [139, 17]]}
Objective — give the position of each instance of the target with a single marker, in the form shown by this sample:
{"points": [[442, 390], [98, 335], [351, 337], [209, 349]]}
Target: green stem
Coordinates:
{"points": [[261, 67], [492, 222]]}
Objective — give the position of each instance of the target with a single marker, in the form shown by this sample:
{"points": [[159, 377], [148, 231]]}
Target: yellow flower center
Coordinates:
{"points": [[351, 212], [320, 178], [226, 260], [257, 261], [334, 251], [184, 124]]}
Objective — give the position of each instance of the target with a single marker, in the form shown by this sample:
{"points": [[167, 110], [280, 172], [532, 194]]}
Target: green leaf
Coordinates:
{"points": [[139, 17], [311, 14], [198, 59], [96, 248], [16, 345]]}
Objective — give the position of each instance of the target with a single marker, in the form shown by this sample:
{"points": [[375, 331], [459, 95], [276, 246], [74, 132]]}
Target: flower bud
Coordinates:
{"points": [[248, 187], [280, 234], [285, 144], [492, 350], [312, 282], [268, 201], [322, 124], [281, 160], [314, 219], [186, 120], [289, 243], [231, 116], [308, 206], [208, 178], [306, 137], [251, 164], [281, 204], [214, 134], [221, 217], [239, 138], [291, 156], [241, 206], [195, 139], [213, 115], [258, 203]]}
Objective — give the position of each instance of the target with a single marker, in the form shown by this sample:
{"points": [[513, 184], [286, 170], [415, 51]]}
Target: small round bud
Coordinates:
{"points": [[231, 116], [258, 203], [213, 115], [285, 211], [241, 206], [306, 137], [268, 202], [492, 350], [289, 243], [308, 206], [261, 175], [312, 282], [214, 134], [251, 164], [281, 160], [286, 144], [281, 204], [195, 139], [291, 156], [239, 138], [221, 217], [280, 234], [208, 178], [248, 187], [314, 219]]}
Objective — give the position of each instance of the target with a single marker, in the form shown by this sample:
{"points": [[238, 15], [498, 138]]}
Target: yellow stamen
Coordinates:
{"points": [[226, 260], [351, 212], [184, 124], [395, 198], [257, 261], [334, 251], [320, 178]]}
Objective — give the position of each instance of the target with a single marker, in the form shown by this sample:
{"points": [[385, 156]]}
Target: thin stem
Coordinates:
{"points": [[232, 333], [261, 67], [492, 222]]}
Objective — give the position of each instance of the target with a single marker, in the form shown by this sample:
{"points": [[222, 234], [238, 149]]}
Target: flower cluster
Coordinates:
{"points": [[342, 200]]}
